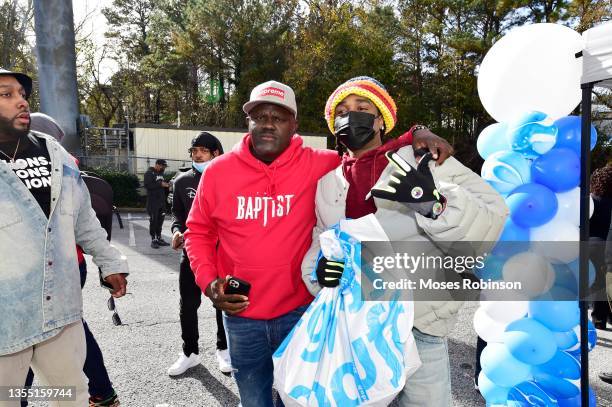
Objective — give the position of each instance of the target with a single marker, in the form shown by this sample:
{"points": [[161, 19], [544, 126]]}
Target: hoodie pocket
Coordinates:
{"points": [[275, 281]]}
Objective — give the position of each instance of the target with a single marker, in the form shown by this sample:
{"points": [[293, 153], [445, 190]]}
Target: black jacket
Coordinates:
{"points": [[156, 194], [184, 192]]}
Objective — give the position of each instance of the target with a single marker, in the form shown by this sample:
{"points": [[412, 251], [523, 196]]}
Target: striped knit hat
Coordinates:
{"points": [[369, 88]]}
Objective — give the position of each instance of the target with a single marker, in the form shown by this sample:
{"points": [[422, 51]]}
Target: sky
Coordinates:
{"points": [[90, 12]]}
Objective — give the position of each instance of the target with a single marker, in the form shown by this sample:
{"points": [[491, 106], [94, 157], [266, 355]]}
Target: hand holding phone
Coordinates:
{"points": [[237, 286], [229, 297]]}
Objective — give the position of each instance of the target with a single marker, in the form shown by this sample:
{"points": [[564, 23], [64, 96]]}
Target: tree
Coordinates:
{"points": [[16, 52]]}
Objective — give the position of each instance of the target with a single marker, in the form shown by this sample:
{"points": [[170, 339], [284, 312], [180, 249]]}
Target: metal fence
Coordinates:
{"points": [[129, 163], [112, 149]]}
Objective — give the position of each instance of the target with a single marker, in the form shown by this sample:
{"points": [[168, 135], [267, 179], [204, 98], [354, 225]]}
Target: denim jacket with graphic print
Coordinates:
{"points": [[40, 289]]}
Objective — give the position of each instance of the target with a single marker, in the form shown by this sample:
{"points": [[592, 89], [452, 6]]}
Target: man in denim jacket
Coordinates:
{"points": [[45, 210]]}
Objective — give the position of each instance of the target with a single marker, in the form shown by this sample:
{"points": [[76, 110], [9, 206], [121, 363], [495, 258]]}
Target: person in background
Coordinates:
{"points": [[204, 148], [599, 227], [156, 201]]}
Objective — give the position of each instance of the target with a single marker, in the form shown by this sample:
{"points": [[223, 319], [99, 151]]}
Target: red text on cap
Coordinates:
{"points": [[272, 91]]}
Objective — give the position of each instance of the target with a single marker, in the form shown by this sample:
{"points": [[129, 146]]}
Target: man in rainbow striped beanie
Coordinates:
{"points": [[442, 203]]}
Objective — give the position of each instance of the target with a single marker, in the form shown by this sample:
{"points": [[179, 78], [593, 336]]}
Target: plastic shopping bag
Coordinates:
{"points": [[345, 351]]}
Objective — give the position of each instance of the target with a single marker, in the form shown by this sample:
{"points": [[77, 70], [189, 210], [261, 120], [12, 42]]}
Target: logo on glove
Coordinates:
{"points": [[417, 192]]}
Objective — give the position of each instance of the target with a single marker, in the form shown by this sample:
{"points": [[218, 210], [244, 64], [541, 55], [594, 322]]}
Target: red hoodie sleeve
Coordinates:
{"points": [[201, 236]]}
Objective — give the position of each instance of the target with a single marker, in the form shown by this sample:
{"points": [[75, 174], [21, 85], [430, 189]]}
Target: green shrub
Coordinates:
{"points": [[125, 185]]}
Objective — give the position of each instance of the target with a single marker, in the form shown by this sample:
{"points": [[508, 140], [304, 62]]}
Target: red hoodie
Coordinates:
{"points": [[363, 172], [263, 216]]}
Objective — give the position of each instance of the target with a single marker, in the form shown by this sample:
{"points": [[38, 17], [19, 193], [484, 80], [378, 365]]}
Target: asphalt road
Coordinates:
{"points": [[138, 353]]}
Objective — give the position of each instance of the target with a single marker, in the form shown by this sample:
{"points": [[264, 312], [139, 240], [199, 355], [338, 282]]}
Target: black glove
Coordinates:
{"points": [[416, 188], [329, 272]]}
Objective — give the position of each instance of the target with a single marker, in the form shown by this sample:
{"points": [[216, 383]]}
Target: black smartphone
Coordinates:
{"points": [[237, 286]]}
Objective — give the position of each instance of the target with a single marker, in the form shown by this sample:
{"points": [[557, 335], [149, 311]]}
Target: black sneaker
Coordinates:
{"points": [[155, 244], [606, 377], [162, 242]]}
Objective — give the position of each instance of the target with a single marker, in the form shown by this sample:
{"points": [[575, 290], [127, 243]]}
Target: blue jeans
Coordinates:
{"points": [[251, 343], [430, 385]]}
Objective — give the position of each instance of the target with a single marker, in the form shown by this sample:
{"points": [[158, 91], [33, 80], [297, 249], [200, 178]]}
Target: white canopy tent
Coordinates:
{"points": [[596, 71]]}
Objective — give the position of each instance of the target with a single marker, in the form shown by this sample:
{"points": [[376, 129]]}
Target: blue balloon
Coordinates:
{"points": [[565, 340], [514, 233], [513, 240], [491, 392], [557, 316], [529, 341], [561, 365], [493, 266], [501, 367], [577, 400], [492, 139], [569, 133], [532, 205], [505, 170], [557, 387], [574, 266], [592, 335], [565, 278], [532, 134], [592, 338], [530, 394], [558, 169]]}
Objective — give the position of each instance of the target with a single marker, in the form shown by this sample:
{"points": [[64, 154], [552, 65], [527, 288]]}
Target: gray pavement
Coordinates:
{"points": [[138, 353]]}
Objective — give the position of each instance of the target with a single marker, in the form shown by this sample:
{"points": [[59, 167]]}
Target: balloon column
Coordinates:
{"points": [[528, 82]]}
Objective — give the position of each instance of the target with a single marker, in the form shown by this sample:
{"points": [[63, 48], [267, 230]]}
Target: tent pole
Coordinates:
{"points": [[585, 170]]}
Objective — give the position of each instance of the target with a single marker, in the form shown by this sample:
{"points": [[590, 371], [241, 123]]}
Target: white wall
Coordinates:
{"points": [[172, 144]]}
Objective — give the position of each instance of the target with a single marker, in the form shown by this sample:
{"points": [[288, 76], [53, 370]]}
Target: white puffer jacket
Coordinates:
{"points": [[475, 212]]}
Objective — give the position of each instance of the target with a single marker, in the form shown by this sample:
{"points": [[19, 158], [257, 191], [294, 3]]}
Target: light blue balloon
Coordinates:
{"points": [[565, 340], [557, 316], [530, 394], [491, 392], [558, 169], [493, 266], [492, 139], [506, 170], [592, 338], [501, 367], [533, 134], [513, 240], [569, 133], [532, 205], [529, 341]]}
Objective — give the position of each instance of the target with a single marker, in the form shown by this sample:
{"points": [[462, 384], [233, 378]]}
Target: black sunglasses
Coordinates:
{"points": [[111, 307]]}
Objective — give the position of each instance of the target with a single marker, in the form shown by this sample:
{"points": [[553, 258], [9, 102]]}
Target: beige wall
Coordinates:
{"points": [[172, 144]]}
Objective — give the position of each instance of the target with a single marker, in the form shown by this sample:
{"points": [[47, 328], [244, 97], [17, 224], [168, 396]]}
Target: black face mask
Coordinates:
{"points": [[355, 129]]}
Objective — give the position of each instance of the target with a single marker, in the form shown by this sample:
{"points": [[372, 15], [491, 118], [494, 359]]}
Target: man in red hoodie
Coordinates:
{"points": [[257, 203]]}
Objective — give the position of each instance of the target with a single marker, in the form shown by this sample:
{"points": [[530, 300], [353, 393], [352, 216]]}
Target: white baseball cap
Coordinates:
{"points": [[272, 92]]}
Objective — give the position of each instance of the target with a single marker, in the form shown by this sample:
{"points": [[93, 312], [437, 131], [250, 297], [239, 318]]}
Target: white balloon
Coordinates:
{"points": [[557, 241], [505, 311], [487, 328], [533, 67], [533, 271], [569, 207]]}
